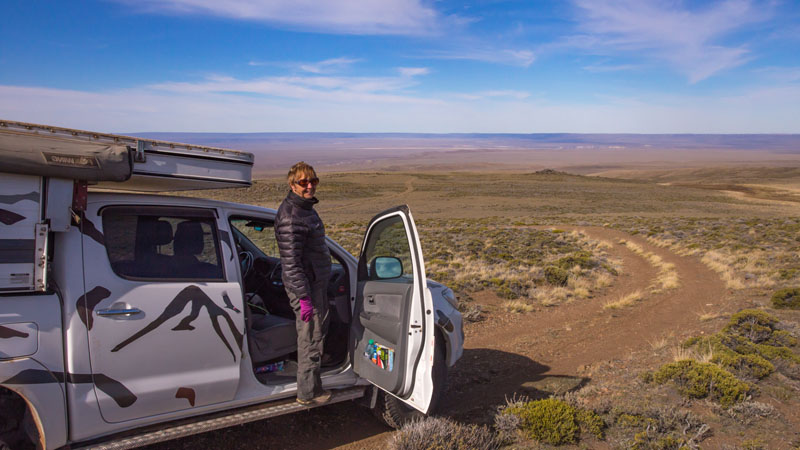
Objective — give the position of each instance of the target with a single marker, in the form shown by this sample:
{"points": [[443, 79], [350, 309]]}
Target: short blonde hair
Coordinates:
{"points": [[300, 168]]}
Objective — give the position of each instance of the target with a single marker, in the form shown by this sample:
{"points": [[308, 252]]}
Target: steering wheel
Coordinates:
{"points": [[246, 262]]}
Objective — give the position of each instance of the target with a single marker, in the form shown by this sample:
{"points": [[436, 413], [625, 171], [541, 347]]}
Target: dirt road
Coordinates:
{"points": [[547, 350]]}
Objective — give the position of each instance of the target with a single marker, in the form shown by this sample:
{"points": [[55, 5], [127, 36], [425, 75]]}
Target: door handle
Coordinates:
{"points": [[371, 299], [118, 312]]}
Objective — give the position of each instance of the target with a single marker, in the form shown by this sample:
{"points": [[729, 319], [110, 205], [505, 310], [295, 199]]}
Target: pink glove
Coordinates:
{"points": [[306, 309]]}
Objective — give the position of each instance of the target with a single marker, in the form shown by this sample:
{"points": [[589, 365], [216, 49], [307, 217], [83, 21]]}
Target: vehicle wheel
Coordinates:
{"points": [[12, 414], [395, 413]]}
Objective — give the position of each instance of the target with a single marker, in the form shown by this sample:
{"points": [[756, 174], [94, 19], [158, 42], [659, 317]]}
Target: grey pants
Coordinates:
{"points": [[310, 339]]}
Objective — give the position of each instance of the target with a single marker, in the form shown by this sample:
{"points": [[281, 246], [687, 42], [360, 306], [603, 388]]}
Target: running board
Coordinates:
{"points": [[216, 422]]}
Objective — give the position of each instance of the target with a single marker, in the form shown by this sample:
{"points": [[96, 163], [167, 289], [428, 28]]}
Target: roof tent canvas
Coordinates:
{"points": [[30, 154], [118, 162]]}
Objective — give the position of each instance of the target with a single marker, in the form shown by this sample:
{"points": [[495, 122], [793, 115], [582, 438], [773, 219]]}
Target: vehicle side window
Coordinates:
{"points": [[157, 244], [388, 238], [260, 233]]}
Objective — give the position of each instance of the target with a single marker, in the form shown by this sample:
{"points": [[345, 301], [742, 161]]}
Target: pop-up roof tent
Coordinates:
{"points": [[44, 172], [119, 162]]}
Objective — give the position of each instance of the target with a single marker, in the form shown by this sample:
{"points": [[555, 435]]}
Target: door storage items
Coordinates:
{"points": [[22, 239], [118, 162]]}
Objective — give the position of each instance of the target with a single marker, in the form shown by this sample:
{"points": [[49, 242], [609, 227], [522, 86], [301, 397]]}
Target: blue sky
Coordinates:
{"points": [[584, 66]]}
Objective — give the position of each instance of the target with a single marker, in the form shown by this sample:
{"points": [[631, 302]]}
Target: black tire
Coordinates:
{"points": [[395, 413], [12, 417]]}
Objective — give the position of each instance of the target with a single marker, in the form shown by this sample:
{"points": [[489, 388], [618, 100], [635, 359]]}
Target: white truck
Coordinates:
{"points": [[128, 319]]}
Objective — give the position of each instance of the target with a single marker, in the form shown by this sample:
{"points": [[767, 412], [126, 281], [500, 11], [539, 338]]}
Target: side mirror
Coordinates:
{"points": [[385, 267]]}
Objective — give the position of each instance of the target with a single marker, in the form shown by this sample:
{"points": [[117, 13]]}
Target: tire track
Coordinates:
{"points": [[558, 342]]}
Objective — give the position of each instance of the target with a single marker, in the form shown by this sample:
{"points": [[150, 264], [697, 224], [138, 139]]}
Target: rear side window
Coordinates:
{"points": [[162, 243]]}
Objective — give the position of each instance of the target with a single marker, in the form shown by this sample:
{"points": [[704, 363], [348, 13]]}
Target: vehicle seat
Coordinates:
{"points": [[270, 337], [189, 241], [148, 262]]}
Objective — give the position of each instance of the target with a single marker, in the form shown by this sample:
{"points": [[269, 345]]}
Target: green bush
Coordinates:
{"points": [[592, 422], [700, 380], [788, 298], [755, 325], [580, 258], [553, 421], [749, 365], [782, 338], [556, 276], [748, 344]]}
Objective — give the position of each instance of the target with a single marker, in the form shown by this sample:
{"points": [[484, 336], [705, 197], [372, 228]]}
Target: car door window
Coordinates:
{"points": [[259, 233], [389, 239], [160, 243]]}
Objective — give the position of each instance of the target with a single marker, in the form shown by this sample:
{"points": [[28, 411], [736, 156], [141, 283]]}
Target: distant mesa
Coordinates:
{"points": [[549, 172]]}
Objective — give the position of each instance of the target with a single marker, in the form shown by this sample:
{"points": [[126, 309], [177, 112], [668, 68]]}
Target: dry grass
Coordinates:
{"points": [[659, 343], [673, 245], [706, 316], [581, 287], [721, 263], [625, 301], [552, 297], [667, 277], [704, 354], [517, 306]]}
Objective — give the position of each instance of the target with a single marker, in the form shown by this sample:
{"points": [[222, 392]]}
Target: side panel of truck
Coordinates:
{"points": [[165, 322], [68, 263], [20, 211], [31, 359]]}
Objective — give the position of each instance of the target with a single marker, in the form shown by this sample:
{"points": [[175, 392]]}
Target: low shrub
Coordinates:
{"points": [[788, 298], [471, 312], [660, 428], [749, 345], [556, 276], [749, 365], [437, 433], [581, 258], [700, 380], [748, 411], [592, 422], [507, 425], [551, 420], [755, 325]]}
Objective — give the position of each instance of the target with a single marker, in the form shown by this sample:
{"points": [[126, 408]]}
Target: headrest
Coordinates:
{"points": [[162, 232], [152, 232], [188, 239]]}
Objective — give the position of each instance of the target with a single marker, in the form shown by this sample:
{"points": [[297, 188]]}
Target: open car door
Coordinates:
{"points": [[392, 337]]}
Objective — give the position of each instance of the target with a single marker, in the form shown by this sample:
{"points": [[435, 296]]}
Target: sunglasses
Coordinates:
{"points": [[305, 182]]}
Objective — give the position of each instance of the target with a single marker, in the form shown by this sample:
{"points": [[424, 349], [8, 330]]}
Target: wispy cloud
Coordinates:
{"points": [[305, 88], [602, 68], [329, 65], [781, 74], [207, 108], [326, 66], [689, 39], [413, 71], [398, 17], [511, 57], [482, 95]]}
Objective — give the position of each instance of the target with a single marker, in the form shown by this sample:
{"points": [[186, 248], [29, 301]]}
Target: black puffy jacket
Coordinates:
{"points": [[301, 241]]}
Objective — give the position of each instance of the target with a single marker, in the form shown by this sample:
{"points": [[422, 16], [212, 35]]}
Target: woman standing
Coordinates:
{"points": [[306, 264]]}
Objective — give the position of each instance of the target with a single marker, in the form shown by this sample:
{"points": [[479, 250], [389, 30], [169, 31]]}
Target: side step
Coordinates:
{"points": [[217, 421]]}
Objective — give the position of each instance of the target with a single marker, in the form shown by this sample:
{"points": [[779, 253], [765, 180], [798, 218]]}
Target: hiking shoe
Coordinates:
{"points": [[305, 402], [323, 398]]}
